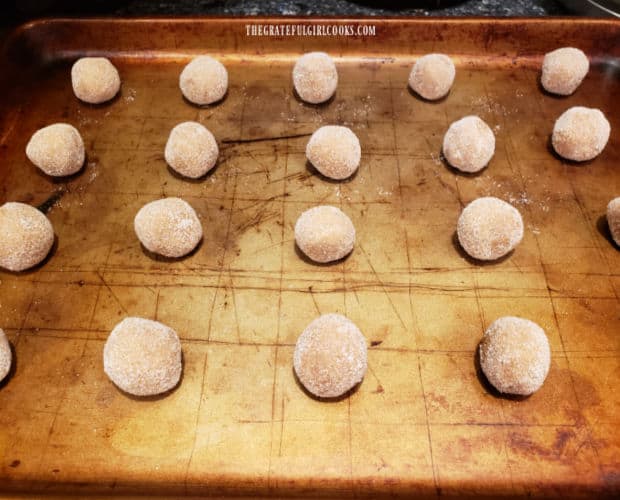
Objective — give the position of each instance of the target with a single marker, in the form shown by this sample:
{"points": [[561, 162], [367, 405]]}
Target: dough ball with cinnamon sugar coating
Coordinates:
{"points": [[515, 355], [469, 144], [6, 356], [143, 357], [58, 150], [204, 80], [563, 70], [315, 77], [488, 228], [26, 236], [432, 76], [95, 79], [325, 233], [330, 356], [613, 219], [580, 134], [191, 150], [168, 227], [334, 151]]}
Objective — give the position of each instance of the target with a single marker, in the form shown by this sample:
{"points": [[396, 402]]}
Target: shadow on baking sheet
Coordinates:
{"points": [[161, 258], [602, 226], [315, 173]]}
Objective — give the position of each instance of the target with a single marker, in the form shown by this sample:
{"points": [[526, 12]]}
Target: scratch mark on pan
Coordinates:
{"points": [[232, 292], [316, 306], [383, 288], [265, 139], [112, 292], [12, 121]]}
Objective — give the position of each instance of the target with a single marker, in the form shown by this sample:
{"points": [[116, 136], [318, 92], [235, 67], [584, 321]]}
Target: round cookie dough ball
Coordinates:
{"points": [[324, 233], [330, 356], [613, 219], [191, 150], [334, 151], [58, 149], [563, 70], [143, 357], [204, 80], [515, 355], [580, 134], [5, 355], [432, 76], [26, 236], [488, 228], [469, 144], [95, 79], [168, 227], [315, 77]]}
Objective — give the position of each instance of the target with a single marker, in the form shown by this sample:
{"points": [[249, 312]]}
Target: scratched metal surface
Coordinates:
{"points": [[423, 421]]}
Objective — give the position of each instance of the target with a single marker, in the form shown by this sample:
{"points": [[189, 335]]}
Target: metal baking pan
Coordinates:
{"points": [[423, 421]]}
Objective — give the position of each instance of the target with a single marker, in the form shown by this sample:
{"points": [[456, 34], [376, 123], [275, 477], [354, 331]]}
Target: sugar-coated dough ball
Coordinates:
{"points": [[315, 77], [330, 356], [143, 357], [204, 80], [324, 233], [613, 219], [469, 144], [58, 149], [432, 76], [563, 70], [95, 79], [515, 355], [168, 227], [26, 236], [580, 134], [5, 355], [334, 151], [488, 228], [191, 150]]}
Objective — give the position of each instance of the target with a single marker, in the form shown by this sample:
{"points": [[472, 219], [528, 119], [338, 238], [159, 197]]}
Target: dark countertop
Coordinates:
{"points": [[345, 8], [13, 12]]}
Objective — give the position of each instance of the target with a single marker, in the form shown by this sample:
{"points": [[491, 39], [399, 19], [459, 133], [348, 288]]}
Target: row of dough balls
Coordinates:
{"points": [[488, 228], [204, 80], [144, 357]]}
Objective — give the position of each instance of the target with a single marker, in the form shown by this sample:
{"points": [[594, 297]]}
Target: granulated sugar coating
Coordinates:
{"points": [[168, 227], [563, 70], [613, 219], [143, 357], [324, 233], [5, 355], [95, 79], [580, 134], [488, 228], [330, 356], [515, 355], [315, 77], [26, 236], [57, 149], [204, 80], [432, 76], [469, 144], [191, 150], [334, 151]]}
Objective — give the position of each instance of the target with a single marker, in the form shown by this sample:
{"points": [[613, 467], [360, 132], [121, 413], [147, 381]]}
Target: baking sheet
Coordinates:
{"points": [[423, 421]]}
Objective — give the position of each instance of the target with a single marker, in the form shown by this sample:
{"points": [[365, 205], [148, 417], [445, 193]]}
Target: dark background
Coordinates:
{"points": [[14, 11]]}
